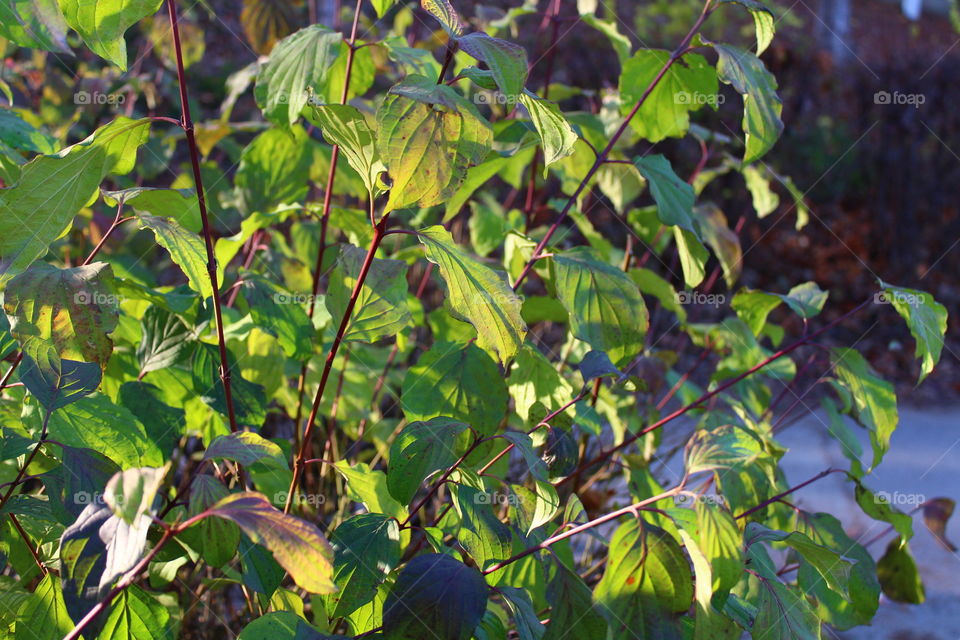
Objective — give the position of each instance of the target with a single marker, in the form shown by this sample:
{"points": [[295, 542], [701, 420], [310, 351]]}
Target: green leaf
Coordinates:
{"points": [[874, 399], [280, 314], [832, 567], [97, 423], [366, 549], [572, 611], [673, 196], [537, 506], [485, 538], [557, 137], [688, 84], [720, 541], [382, 6], [218, 540], [39, 208], [898, 574], [459, 381], [506, 60], [296, 70], [806, 300], [761, 105], [477, 294], [102, 24], [784, 612], [381, 307], [525, 617], [249, 399], [429, 135], [753, 307], [164, 338], [297, 545], [131, 493], [647, 582], [135, 615], [44, 615], [38, 24], [765, 199], [421, 449], [606, 308], [54, 382], [346, 127], [74, 309], [435, 596], [927, 320], [534, 379], [724, 242], [763, 19], [180, 204], [247, 448], [274, 170], [724, 447], [877, 506], [186, 250], [864, 590], [282, 625], [693, 256], [443, 11], [370, 488]]}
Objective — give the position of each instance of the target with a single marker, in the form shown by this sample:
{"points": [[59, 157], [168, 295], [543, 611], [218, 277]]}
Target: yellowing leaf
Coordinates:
{"points": [[477, 294], [297, 545]]}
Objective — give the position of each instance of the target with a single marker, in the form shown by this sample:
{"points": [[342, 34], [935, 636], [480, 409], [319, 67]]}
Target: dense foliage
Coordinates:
{"points": [[242, 405]]}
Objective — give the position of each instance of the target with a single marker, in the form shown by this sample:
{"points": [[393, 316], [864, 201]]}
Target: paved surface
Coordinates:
{"points": [[923, 463]]}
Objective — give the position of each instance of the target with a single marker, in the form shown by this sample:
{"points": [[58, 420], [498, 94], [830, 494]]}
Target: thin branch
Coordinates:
{"points": [[720, 389], [378, 232], [632, 509], [769, 501], [602, 157], [325, 215], [187, 125]]}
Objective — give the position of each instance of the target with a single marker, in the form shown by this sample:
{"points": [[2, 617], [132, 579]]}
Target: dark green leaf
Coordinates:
{"points": [[435, 596], [421, 449]]}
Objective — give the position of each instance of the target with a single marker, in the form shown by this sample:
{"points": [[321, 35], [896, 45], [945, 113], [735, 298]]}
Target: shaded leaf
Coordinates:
{"points": [[435, 596], [421, 449]]}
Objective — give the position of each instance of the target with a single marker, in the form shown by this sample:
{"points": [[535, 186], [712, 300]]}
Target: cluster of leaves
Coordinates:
{"points": [[159, 445]]}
